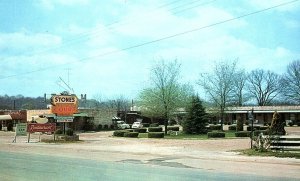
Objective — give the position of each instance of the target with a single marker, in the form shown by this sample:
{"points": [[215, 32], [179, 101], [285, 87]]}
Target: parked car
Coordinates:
{"points": [[122, 125], [137, 125]]}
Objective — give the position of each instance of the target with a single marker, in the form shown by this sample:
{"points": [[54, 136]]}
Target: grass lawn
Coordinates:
{"points": [[228, 134], [286, 154]]}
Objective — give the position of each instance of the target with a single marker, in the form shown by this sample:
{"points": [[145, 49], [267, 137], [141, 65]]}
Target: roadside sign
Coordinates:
{"points": [[21, 129], [64, 105], [64, 119], [36, 127]]}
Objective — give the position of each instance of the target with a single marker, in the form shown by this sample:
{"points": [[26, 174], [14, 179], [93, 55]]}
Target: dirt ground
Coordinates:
{"points": [[215, 155]]}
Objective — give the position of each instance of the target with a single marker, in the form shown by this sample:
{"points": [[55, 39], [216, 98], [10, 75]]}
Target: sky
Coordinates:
{"points": [[107, 47]]}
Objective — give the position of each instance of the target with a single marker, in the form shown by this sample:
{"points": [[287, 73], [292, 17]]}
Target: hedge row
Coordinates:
{"points": [[154, 125], [120, 133], [131, 134], [216, 135], [249, 128], [146, 125], [156, 135], [215, 127], [155, 129], [140, 130]]}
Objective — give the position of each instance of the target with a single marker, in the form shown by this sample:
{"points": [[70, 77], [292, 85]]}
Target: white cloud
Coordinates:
{"points": [[162, 23], [25, 43]]}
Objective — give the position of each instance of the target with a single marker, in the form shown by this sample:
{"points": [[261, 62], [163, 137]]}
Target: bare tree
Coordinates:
{"points": [[291, 83], [219, 86], [239, 94], [263, 86], [166, 94]]}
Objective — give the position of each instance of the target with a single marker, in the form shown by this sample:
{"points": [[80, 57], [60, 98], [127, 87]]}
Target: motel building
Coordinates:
{"points": [[261, 114]]}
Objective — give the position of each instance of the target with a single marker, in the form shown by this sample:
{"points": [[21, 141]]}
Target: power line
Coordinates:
{"points": [[95, 33], [157, 40]]}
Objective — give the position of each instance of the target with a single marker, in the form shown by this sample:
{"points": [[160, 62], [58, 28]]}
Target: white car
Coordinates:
{"points": [[122, 125], [137, 125]]}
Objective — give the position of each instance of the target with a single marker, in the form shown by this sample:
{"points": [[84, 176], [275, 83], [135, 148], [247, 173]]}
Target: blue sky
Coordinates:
{"points": [[81, 41]]}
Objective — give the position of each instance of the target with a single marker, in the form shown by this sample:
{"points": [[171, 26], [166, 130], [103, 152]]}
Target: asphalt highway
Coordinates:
{"points": [[31, 167]]}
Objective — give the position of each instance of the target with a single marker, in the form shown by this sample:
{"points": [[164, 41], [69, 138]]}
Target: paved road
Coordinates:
{"points": [[23, 167]]}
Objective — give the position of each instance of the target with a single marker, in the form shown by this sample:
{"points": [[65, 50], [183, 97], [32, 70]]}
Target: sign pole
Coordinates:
{"points": [[28, 137]]}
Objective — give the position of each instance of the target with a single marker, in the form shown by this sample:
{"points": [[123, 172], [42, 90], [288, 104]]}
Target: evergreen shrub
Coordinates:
{"points": [[10, 127], [99, 127], [239, 125], [105, 127]]}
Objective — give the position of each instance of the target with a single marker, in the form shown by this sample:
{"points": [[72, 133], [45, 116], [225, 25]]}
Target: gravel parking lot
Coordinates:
{"points": [[214, 154]]}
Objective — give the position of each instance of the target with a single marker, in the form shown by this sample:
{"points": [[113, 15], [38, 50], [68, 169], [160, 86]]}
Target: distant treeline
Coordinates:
{"points": [[20, 102]]}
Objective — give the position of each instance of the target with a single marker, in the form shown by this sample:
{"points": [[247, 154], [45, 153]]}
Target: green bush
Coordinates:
{"points": [[216, 135], [140, 130], [131, 134], [120, 133], [239, 125], [10, 127], [69, 132], [58, 131], [105, 127], [156, 135], [242, 134], [129, 130], [88, 125], [99, 127], [155, 129], [154, 125], [146, 125], [173, 128], [215, 127], [232, 128]]}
